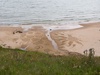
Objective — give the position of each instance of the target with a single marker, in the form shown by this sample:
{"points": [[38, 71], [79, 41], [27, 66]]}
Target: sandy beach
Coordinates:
{"points": [[34, 39], [73, 41], [80, 39]]}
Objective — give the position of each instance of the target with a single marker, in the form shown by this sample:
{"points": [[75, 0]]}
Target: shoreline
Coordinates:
{"points": [[54, 27], [40, 42]]}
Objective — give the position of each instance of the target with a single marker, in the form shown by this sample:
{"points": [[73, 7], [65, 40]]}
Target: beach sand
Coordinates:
{"points": [[32, 40], [73, 41], [80, 39]]}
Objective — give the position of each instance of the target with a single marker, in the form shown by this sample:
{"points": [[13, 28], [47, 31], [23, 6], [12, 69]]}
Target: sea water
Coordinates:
{"points": [[51, 12]]}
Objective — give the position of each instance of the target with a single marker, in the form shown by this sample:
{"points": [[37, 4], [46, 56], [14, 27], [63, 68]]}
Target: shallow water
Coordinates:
{"points": [[54, 44], [48, 11]]}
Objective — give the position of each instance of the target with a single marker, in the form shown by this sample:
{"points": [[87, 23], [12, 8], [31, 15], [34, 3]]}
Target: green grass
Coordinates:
{"points": [[18, 62]]}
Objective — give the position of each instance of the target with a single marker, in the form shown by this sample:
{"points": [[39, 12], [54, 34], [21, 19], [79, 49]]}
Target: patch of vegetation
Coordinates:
{"points": [[18, 62]]}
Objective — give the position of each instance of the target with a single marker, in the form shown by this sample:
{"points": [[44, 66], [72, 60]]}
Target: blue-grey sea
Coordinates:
{"points": [[48, 11]]}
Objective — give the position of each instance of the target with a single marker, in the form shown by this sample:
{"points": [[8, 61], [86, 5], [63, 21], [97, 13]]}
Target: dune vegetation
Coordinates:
{"points": [[18, 62]]}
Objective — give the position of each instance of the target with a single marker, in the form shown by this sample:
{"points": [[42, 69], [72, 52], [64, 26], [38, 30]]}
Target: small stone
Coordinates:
{"points": [[50, 29]]}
